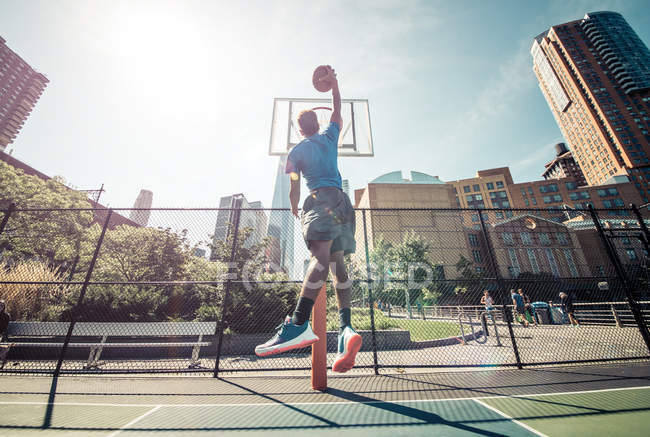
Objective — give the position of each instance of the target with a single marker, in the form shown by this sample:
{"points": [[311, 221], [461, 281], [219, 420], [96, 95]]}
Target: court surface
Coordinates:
{"points": [[586, 400]]}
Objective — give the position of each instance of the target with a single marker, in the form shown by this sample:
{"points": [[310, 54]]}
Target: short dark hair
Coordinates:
{"points": [[308, 122]]}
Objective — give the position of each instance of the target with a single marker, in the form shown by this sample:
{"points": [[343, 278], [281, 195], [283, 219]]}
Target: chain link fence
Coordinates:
{"points": [[195, 290]]}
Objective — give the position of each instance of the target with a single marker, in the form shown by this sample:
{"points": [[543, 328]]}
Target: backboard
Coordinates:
{"points": [[355, 138]]}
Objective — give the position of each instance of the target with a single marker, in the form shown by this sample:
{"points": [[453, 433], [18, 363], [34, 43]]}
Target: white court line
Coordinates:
{"points": [[279, 403], [133, 422], [502, 414]]}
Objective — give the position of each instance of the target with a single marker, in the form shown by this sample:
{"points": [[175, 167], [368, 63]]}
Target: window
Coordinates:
{"points": [[602, 193], [479, 269], [570, 263], [478, 197], [477, 187], [508, 238], [502, 194], [612, 191], [499, 184], [514, 268], [469, 198], [473, 239], [509, 213], [571, 185], [475, 218], [551, 262], [533, 261], [631, 254], [618, 202], [526, 238], [557, 198], [544, 239], [467, 189], [550, 188], [476, 254], [607, 203], [547, 199], [625, 241], [490, 186], [534, 201], [498, 214], [530, 191], [562, 238]]}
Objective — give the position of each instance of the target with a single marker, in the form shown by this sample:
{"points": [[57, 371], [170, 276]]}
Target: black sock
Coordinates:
{"points": [[344, 318], [302, 311]]}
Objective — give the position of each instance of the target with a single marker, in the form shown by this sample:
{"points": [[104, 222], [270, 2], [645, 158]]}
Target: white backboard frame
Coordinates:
{"points": [[356, 132]]}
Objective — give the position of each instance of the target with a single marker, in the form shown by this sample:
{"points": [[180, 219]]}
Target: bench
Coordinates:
{"points": [[55, 332]]}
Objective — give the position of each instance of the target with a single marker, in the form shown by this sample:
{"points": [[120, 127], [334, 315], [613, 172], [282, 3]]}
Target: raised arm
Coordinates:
{"points": [[336, 97]]}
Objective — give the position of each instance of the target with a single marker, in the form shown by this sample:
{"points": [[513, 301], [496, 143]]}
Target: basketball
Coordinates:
{"points": [[319, 72]]}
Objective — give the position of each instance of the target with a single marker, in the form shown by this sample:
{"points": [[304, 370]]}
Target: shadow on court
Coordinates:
{"points": [[478, 403]]}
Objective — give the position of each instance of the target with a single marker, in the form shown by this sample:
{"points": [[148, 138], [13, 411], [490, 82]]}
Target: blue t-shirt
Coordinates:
{"points": [[316, 158], [520, 300]]}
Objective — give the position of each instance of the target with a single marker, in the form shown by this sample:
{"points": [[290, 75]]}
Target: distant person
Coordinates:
{"points": [[518, 308], [567, 306], [328, 230], [487, 300], [4, 325], [528, 309], [4, 320]]}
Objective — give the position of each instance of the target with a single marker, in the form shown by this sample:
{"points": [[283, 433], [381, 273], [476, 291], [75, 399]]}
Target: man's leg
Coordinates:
{"points": [[349, 341], [294, 333], [315, 277]]}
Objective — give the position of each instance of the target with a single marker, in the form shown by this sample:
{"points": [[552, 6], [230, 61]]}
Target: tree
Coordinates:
{"points": [[54, 236], [258, 299], [404, 273], [130, 254]]}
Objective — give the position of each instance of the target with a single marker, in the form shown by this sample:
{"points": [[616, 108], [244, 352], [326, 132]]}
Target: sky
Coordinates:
{"points": [[176, 96]]}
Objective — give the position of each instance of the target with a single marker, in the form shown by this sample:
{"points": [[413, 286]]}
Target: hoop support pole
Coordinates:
{"points": [[319, 349]]}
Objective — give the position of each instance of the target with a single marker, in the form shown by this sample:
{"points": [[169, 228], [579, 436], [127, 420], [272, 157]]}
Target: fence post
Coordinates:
{"points": [[499, 281], [371, 297], [642, 225], [82, 293], [622, 276], [235, 215], [5, 219]]}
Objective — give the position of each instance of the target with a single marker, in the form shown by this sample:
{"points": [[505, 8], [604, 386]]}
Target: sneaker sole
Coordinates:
{"points": [[285, 348], [346, 362]]}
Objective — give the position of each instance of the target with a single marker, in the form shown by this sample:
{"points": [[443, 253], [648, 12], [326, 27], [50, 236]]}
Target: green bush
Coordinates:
{"points": [[40, 302]]}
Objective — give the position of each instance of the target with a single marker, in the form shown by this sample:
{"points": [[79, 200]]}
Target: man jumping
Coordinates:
{"points": [[328, 229]]}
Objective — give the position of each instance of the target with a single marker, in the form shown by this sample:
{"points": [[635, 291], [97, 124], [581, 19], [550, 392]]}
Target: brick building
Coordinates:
{"points": [[20, 88], [595, 76]]}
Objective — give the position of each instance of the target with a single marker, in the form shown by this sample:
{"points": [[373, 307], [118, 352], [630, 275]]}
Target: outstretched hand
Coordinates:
{"points": [[330, 76]]}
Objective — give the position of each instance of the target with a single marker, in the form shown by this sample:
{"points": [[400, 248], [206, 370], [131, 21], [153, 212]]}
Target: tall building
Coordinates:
{"points": [[144, 200], [20, 88], [281, 223], [345, 186], [251, 219], [563, 166], [595, 76]]}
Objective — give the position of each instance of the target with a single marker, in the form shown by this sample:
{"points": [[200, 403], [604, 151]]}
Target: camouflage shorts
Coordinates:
{"points": [[327, 214]]}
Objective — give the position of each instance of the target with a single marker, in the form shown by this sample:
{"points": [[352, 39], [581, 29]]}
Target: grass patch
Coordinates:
{"points": [[421, 330]]}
